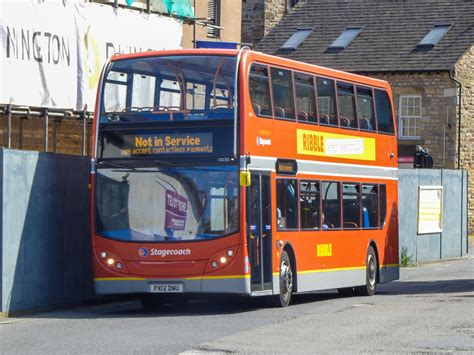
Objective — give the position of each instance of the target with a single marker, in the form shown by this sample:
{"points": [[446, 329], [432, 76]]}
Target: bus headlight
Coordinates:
{"points": [[221, 259], [111, 261]]}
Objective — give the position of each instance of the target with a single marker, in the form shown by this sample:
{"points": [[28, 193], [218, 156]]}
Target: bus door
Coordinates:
{"points": [[259, 232]]}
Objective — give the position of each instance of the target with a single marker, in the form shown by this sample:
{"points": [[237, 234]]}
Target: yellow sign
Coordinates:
{"points": [[324, 250], [334, 145], [430, 209]]}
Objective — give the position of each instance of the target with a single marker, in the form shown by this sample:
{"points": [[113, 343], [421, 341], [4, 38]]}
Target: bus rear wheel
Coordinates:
{"points": [[286, 282], [370, 274]]}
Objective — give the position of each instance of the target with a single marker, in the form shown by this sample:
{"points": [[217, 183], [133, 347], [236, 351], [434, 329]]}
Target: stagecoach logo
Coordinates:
{"points": [[263, 141], [143, 252]]}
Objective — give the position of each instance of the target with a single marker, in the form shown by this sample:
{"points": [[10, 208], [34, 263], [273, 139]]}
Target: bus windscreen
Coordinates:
{"points": [[169, 88], [167, 204]]}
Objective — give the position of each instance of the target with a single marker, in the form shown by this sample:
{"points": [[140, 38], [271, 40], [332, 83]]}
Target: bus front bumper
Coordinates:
{"points": [[239, 284]]}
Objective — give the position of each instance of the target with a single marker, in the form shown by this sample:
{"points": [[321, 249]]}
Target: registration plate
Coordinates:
{"points": [[166, 288]]}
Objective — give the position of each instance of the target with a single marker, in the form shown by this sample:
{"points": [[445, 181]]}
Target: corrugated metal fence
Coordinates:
{"points": [[452, 241]]}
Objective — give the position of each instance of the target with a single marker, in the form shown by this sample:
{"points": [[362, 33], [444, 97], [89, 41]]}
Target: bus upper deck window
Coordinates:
{"points": [[384, 112], [346, 103], [282, 90], [326, 102], [365, 109], [305, 98], [259, 88]]}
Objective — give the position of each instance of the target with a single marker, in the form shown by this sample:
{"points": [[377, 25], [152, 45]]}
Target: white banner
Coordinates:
{"points": [[52, 52]]}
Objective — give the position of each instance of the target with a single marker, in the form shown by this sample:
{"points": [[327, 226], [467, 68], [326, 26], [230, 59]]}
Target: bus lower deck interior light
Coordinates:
{"points": [[214, 264], [223, 260]]}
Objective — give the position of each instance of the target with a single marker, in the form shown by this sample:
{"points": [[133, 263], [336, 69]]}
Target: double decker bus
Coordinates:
{"points": [[236, 172]]}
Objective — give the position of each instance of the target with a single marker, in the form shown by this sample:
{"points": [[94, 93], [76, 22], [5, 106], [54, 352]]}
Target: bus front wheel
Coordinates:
{"points": [[371, 274], [286, 282]]}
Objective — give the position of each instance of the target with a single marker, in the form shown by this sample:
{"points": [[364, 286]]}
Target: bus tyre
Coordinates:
{"points": [[370, 274], [151, 302], [286, 282]]}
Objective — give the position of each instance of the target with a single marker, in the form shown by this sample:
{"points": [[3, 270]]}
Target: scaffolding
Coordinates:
{"points": [[50, 118]]}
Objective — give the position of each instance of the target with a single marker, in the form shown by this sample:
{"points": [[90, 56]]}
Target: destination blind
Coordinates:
{"points": [[173, 143], [179, 142]]}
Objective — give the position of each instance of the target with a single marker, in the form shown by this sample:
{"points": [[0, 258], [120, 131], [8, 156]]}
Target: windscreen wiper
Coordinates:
{"points": [[116, 165]]}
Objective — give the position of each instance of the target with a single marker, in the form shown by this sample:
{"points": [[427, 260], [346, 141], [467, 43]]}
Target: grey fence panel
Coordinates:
{"points": [[452, 242], [464, 243], [428, 245], [407, 200], [46, 230], [451, 239]]}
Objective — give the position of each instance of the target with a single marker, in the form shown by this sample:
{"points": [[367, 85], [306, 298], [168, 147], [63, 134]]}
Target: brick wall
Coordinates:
{"points": [[65, 136], [464, 73]]}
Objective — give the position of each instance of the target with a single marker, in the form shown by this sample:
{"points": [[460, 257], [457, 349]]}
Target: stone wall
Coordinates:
{"points": [[438, 124], [464, 73], [259, 17], [253, 21]]}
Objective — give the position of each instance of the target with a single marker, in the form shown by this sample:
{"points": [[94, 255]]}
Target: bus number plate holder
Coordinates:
{"points": [[166, 288]]}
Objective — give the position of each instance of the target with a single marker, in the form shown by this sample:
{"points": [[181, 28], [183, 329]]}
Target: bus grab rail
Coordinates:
{"points": [[236, 102]]}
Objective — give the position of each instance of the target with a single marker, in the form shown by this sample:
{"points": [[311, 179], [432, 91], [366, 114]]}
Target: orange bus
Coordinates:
{"points": [[235, 172]]}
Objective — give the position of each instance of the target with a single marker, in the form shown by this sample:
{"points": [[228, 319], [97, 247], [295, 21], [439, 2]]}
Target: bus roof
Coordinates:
{"points": [[250, 55]]}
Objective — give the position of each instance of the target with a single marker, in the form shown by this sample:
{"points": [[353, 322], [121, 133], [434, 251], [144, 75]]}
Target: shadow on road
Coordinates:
{"points": [[130, 306], [427, 287]]}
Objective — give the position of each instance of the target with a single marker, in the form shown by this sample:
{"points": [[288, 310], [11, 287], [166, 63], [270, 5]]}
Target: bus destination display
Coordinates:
{"points": [[173, 143]]}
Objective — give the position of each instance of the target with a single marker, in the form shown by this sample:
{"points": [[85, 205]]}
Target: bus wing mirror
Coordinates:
{"points": [[245, 178]]}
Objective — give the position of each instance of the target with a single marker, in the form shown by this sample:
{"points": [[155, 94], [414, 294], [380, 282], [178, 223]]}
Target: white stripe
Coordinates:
{"points": [[261, 163]]}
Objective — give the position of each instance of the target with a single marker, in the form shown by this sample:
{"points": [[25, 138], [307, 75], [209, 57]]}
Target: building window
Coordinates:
{"points": [[296, 39], [214, 15], [345, 38], [435, 35], [410, 115]]}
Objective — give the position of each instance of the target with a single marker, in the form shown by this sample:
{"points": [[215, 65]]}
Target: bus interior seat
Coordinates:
{"points": [[365, 124], [350, 224], [279, 112], [302, 116], [345, 122], [324, 119], [257, 109]]}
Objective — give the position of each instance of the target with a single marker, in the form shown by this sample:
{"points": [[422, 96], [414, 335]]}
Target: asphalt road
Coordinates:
{"points": [[429, 310]]}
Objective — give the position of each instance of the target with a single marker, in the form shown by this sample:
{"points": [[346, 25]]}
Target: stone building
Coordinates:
{"points": [[260, 16], [424, 49]]}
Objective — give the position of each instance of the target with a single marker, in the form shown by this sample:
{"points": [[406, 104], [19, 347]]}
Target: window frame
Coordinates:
{"points": [[354, 86], [359, 201], [374, 109], [310, 181], [401, 117], [297, 204], [291, 95], [347, 85]]}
